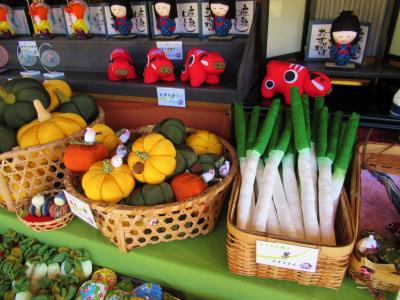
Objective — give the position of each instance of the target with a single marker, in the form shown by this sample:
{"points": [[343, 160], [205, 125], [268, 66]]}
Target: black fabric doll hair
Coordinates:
{"points": [[126, 3], [231, 13], [173, 14], [347, 21]]}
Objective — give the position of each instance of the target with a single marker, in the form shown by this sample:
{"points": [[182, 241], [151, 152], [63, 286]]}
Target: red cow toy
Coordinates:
{"points": [[201, 66], [158, 67], [121, 66], [281, 76]]}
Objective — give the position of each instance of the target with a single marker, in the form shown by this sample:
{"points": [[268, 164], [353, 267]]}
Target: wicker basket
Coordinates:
{"points": [[29, 171], [23, 210], [332, 261], [129, 227], [384, 158]]}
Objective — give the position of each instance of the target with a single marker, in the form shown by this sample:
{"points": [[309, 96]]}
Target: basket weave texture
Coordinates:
{"points": [[376, 157], [29, 171], [23, 210], [129, 227], [332, 261]]}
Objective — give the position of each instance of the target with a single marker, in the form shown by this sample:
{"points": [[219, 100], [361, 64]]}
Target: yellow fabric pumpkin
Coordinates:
{"points": [[48, 127], [107, 182], [106, 136], [203, 142], [56, 88], [152, 158]]}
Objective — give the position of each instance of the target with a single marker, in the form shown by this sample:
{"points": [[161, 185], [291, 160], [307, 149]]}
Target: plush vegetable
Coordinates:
{"points": [[7, 138], [185, 158], [152, 158], [108, 181], [107, 136], [206, 162], [187, 185], [172, 129], [151, 194], [48, 127], [203, 141], [83, 105], [16, 101], [61, 87]]}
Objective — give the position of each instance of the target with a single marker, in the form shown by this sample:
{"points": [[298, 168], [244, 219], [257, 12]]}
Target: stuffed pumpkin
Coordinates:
{"points": [[185, 158], [107, 136], [49, 127], [203, 141], [172, 129], [7, 138], [187, 185], [152, 158], [108, 181], [83, 105], [151, 194], [55, 87], [16, 101]]}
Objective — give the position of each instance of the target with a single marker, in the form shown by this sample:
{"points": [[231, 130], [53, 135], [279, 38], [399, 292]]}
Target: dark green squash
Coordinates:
{"points": [[16, 101], [207, 162], [172, 129], [151, 194], [7, 138], [83, 105], [185, 158]]}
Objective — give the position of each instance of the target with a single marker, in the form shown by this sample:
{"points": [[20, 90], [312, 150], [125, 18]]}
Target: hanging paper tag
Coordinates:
{"points": [[80, 209], [171, 97], [172, 49], [287, 256], [29, 46]]}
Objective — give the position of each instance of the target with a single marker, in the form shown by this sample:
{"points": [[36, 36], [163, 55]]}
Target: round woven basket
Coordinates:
{"points": [[25, 172], [22, 210], [129, 227]]}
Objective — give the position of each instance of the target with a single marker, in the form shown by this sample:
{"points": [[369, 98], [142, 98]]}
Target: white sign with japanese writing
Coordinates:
{"points": [[172, 49], [171, 97], [80, 209], [287, 256]]}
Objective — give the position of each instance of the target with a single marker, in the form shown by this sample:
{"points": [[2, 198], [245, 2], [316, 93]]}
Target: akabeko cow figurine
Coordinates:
{"points": [[201, 66], [158, 67], [121, 65], [281, 76]]}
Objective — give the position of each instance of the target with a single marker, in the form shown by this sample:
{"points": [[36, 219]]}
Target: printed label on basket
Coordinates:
{"points": [[80, 209], [287, 256], [29, 46], [171, 97], [173, 50]]}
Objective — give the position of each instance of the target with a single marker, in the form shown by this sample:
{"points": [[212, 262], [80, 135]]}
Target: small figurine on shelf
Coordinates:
{"points": [[59, 206], [121, 66], [345, 32], [223, 11], [79, 12], [42, 19], [7, 26], [158, 67], [122, 13], [395, 109], [166, 13], [367, 245]]}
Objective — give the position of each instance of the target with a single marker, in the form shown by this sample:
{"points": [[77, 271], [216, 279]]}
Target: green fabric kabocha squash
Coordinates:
{"points": [[151, 194], [16, 101], [185, 158], [172, 129], [7, 138], [207, 162], [83, 105]]}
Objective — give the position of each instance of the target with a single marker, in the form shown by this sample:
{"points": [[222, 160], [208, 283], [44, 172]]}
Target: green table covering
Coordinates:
{"points": [[197, 267]]}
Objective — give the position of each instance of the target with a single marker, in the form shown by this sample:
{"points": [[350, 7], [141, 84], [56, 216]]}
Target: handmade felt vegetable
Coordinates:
{"points": [[201, 66], [151, 194], [121, 65], [63, 89], [49, 127], [83, 105], [108, 181], [42, 19], [7, 138], [107, 136], [16, 101], [282, 76], [166, 13], [185, 158], [122, 13], [223, 11], [79, 12], [158, 67], [205, 163], [203, 141], [7, 26], [172, 129], [187, 185], [152, 158]]}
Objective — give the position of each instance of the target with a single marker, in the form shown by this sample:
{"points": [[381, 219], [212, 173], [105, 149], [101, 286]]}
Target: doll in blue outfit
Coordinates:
{"points": [[223, 12], [166, 13], [122, 13], [345, 32]]}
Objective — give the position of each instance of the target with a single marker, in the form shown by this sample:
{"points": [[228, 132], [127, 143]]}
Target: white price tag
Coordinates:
{"points": [[172, 49], [171, 97], [287, 256], [80, 209], [29, 46]]}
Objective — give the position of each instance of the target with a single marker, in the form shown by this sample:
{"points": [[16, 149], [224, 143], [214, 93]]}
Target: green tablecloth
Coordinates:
{"points": [[197, 267]]}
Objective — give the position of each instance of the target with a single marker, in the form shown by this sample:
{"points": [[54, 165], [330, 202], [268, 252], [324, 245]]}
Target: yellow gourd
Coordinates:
{"points": [[203, 142], [48, 127], [108, 181], [55, 88], [152, 158], [107, 136]]}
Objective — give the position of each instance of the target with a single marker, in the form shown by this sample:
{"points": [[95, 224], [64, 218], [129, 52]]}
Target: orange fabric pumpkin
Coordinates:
{"points": [[187, 185], [79, 157]]}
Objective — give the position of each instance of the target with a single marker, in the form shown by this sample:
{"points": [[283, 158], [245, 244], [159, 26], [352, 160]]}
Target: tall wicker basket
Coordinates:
{"points": [[332, 261], [29, 171], [130, 227], [376, 157]]}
